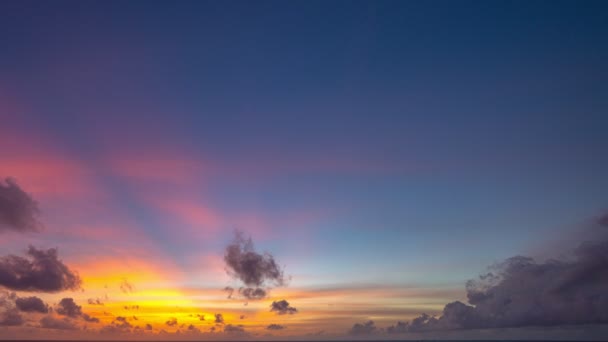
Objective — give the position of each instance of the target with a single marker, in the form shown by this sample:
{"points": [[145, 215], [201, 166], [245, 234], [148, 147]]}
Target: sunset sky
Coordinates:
{"points": [[378, 154]]}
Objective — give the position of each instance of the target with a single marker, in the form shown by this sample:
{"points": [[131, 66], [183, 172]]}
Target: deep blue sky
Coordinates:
{"points": [[363, 142]]}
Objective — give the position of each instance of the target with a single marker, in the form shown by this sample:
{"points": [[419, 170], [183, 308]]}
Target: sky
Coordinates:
{"points": [[303, 170]]}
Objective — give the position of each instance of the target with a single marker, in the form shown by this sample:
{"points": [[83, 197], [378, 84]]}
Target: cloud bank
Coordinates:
{"points": [[521, 292], [366, 328]]}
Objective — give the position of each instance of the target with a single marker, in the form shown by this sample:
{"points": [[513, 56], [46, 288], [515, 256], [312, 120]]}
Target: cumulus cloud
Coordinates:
{"points": [[275, 327], [40, 271], [31, 304], [366, 328], [18, 210], [282, 307], [200, 317], [50, 322], [68, 307], [252, 268], [522, 292], [171, 322], [219, 318]]}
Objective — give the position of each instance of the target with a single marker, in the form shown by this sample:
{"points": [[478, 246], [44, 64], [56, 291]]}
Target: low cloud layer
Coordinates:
{"points": [[40, 271], [522, 292], [255, 270], [366, 328], [50, 322], [11, 307], [282, 307], [18, 210], [10, 317], [234, 329], [275, 327]]}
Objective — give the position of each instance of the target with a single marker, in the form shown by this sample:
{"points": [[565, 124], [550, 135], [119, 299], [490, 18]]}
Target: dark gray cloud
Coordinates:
{"points": [[171, 322], [522, 292], [200, 317], [282, 307], [275, 327], [18, 210], [68, 307], [50, 322], [252, 293], [399, 328], [148, 326], [252, 268], [31, 304], [131, 307], [229, 290], [366, 328], [40, 271], [219, 318]]}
